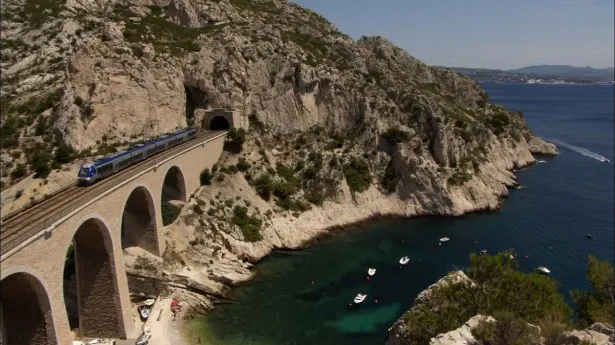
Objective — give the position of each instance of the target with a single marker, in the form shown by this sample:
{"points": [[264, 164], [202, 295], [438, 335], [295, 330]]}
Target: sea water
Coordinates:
{"points": [[303, 298]]}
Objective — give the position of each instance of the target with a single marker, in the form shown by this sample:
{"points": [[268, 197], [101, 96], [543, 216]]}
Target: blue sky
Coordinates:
{"points": [[483, 33]]}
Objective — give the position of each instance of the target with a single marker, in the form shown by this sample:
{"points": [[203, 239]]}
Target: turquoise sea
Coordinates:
{"points": [[304, 298]]}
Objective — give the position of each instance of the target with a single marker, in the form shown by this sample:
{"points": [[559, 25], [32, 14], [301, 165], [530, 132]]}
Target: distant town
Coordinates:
{"points": [[540, 75]]}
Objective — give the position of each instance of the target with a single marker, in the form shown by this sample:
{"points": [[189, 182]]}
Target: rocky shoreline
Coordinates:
{"points": [[202, 267], [598, 333]]}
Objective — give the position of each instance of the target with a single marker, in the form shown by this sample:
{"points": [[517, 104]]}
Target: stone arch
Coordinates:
{"points": [[219, 123], [98, 295], [174, 185], [26, 314], [139, 226]]}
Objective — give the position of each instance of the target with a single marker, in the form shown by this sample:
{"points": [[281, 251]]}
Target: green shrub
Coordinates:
{"points": [[170, 212], [357, 175], [205, 177], [9, 133], [250, 226], [19, 171], [263, 186], [65, 154], [598, 304], [237, 136], [39, 162], [500, 290], [243, 165], [396, 135], [390, 179]]}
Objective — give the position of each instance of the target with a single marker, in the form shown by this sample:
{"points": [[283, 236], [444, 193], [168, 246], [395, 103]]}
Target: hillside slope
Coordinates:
{"points": [[340, 130]]}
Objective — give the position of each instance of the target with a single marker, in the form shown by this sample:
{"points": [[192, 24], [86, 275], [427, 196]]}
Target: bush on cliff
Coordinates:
{"points": [[205, 177], [396, 135], [357, 175], [250, 226], [597, 305], [499, 288]]}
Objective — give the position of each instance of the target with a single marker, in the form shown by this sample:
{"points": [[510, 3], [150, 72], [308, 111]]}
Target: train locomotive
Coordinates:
{"points": [[89, 173]]}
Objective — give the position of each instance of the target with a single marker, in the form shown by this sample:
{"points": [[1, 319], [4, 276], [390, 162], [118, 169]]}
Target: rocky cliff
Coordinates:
{"points": [[468, 332], [340, 130]]}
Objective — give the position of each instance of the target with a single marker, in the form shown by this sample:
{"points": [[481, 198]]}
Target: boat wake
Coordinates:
{"points": [[579, 150]]}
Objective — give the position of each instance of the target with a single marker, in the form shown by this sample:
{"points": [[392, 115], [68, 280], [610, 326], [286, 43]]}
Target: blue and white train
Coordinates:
{"points": [[92, 172]]}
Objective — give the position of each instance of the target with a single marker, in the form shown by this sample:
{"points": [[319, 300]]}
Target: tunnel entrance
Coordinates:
{"points": [[139, 222], [26, 312], [219, 123], [96, 298]]}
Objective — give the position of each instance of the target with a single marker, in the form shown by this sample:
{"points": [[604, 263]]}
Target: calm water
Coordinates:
{"points": [[547, 220]]}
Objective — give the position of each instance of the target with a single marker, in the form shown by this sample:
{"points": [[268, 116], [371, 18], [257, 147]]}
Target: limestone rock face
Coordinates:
{"points": [[463, 334], [587, 336], [541, 147]]}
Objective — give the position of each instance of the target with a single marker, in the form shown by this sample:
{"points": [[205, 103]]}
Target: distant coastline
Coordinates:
{"points": [[544, 75]]}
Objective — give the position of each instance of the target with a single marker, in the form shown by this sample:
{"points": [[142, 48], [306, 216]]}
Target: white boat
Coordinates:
{"points": [[404, 260], [371, 271], [149, 302], [541, 161], [143, 312], [543, 269], [359, 298], [483, 252], [445, 239]]}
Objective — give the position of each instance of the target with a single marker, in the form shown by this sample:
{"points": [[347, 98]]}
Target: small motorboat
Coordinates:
{"points": [[404, 260], [543, 269], [445, 239], [359, 298], [590, 236], [371, 271], [482, 252], [143, 312], [149, 302], [542, 161]]}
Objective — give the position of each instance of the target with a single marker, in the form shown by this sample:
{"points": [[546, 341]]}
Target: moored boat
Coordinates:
{"points": [[404, 260], [371, 271], [543, 270], [445, 239], [359, 298]]}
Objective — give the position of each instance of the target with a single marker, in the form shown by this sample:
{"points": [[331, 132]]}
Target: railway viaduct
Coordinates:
{"points": [[97, 222]]}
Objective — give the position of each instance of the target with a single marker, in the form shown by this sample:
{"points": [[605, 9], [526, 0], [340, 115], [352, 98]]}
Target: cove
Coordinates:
{"points": [[561, 200]]}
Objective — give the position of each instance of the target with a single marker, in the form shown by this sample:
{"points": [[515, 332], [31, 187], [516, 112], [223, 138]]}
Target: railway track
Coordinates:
{"points": [[20, 225]]}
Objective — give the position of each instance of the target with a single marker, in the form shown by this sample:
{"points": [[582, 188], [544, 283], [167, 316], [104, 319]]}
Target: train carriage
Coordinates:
{"points": [[89, 173]]}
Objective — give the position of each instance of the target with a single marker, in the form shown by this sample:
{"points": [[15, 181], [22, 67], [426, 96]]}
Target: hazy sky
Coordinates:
{"points": [[483, 33]]}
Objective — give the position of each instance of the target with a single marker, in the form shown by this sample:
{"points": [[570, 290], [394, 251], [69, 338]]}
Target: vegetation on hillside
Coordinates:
{"points": [[512, 297], [598, 304]]}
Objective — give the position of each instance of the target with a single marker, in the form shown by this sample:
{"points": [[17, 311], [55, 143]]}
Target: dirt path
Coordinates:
{"points": [[165, 331]]}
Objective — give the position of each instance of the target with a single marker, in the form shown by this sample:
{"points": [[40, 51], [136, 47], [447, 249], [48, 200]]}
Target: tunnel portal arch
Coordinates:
{"points": [[219, 123]]}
